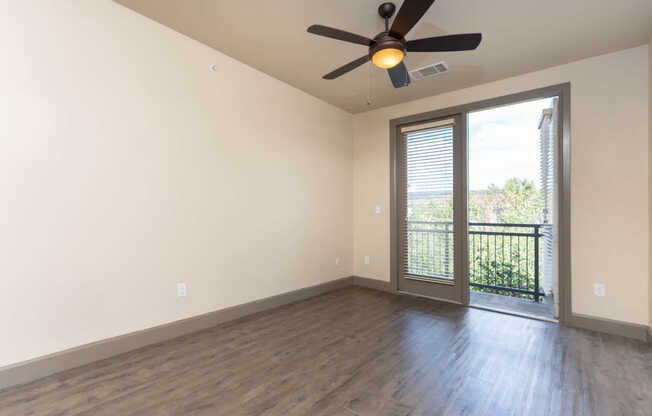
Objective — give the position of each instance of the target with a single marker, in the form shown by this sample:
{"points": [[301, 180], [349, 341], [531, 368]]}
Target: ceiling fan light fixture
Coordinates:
{"points": [[387, 58]]}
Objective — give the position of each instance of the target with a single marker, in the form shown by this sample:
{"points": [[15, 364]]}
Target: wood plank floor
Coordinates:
{"points": [[360, 352]]}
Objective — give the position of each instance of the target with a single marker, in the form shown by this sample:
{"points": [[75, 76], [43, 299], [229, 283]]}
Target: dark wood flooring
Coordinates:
{"points": [[360, 352]]}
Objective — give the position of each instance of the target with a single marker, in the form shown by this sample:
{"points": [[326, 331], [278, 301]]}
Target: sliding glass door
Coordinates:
{"points": [[432, 209], [435, 251]]}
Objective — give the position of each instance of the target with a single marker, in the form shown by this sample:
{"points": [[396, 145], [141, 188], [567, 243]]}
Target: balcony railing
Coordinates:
{"points": [[503, 258]]}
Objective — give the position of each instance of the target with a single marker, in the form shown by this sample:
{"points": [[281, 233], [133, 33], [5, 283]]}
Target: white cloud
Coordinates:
{"points": [[504, 143]]}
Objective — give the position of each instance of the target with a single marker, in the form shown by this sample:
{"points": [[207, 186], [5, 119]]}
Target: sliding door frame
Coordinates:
{"points": [[563, 182]]}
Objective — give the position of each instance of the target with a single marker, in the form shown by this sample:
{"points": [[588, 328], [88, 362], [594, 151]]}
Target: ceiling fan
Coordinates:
{"points": [[388, 48]]}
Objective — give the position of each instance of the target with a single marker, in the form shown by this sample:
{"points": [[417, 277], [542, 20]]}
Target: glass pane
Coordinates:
{"points": [[430, 239]]}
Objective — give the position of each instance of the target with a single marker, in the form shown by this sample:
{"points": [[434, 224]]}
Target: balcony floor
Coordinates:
{"points": [[510, 304]]}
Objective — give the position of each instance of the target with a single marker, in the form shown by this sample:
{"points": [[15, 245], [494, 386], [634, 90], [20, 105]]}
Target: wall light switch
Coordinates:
{"points": [[377, 209], [367, 260], [598, 289], [337, 261], [181, 289]]}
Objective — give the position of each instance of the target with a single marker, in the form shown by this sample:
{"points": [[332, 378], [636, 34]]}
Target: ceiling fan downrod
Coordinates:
{"points": [[386, 11]]}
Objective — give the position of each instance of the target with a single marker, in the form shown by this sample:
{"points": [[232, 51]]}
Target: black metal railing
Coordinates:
{"points": [[430, 249], [503, 258]]}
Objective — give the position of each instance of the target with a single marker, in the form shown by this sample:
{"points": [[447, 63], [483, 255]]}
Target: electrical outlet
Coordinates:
{"points": [[598, 289], [367, 260], [181, 289], [337, 261]]}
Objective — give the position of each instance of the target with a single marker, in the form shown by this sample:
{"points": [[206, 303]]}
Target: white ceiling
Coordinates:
{"points": [[519, 36]]}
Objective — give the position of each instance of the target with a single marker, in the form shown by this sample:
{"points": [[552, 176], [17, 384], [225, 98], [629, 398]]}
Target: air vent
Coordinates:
{"points": [[428, 71]]}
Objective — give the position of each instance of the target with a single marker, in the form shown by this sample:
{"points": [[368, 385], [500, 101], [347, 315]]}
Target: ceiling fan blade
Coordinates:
{"points": [[408, 16], [338, 34], [399, 75], [346, 68], [450, 43]]}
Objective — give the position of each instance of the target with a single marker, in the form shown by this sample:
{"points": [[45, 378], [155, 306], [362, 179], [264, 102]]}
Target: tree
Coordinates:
{"points": [[523, 203], [518, 201]]}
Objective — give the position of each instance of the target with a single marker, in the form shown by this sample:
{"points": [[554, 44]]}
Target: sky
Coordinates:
{"points": [[504, 143]]}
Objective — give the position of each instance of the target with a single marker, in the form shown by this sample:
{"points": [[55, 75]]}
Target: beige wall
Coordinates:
{"points": [[609, 185], [650, 168], [127, 166]]}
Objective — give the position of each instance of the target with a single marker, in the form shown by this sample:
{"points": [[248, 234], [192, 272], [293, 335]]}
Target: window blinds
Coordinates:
{"points": [[428, 228], [547, 141]]}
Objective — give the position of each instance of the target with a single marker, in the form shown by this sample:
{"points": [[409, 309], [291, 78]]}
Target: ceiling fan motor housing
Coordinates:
{"points": [[385, 41]]}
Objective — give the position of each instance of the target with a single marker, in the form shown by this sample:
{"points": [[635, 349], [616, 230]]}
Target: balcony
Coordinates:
{"points": [[504, 259]]}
